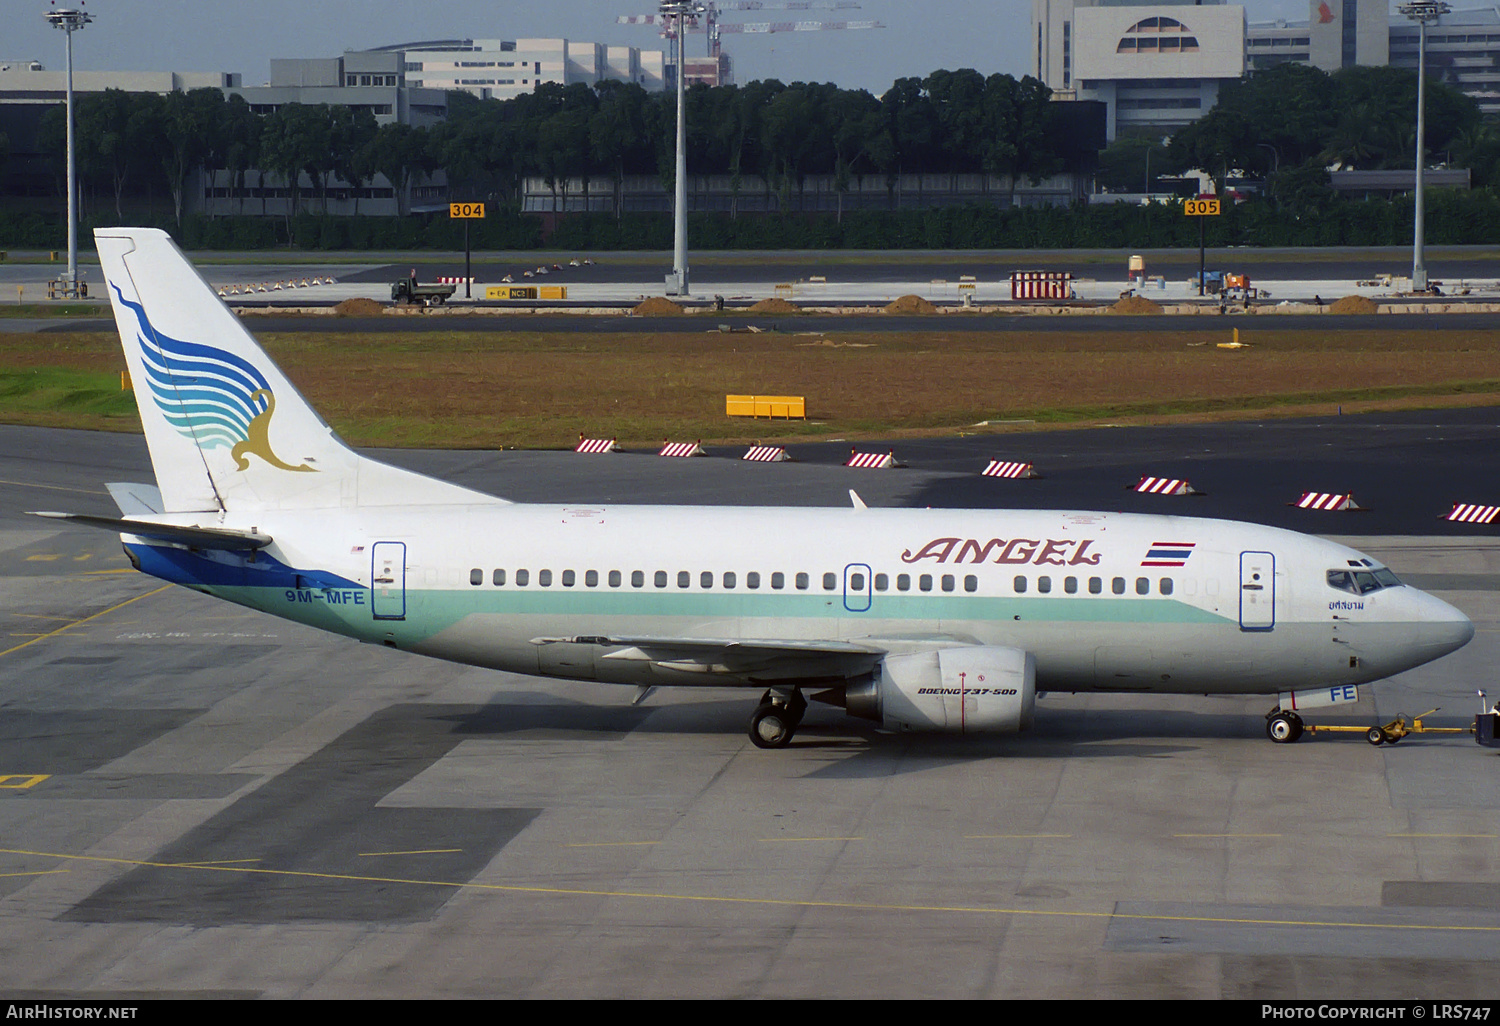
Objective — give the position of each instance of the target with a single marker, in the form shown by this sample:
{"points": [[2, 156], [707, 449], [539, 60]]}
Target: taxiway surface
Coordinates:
{"points": [[201, 800]]}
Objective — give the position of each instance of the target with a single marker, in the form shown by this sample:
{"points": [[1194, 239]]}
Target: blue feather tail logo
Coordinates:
{"points": [[208, 395]]}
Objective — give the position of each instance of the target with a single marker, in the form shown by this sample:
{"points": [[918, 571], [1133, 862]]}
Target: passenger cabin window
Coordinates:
{"points": [[903, 582], [544, 578], [660, 580], [752, 580], [476, 576], [925, 582], [1070, 585], [802, 581], [1044, 584], [1143, 586], [1096, 586], [1020, 585], [684, 579], [856, 582], [591, 578], [882, 582], [778, 580], [1118, 585], [1165, 585], [971, 583], [706, 579], [523, 578], [831, 582], [614, 579], [499, 578], [637, 578], [729, 580], [567, 578]]}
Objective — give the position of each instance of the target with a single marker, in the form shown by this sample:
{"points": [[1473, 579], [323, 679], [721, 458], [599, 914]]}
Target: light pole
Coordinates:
{"points": [[681, 9], [71, 21], [1422, 12]]}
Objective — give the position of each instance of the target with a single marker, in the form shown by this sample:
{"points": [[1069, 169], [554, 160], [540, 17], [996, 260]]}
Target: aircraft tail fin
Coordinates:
{"points": [[226, 429]]}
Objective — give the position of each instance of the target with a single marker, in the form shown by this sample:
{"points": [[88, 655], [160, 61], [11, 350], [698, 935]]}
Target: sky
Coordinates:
{"points": [[243, 35]]}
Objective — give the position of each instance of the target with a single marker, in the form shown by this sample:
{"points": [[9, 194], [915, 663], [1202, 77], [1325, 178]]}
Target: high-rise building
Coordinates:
{"points": [[1156, 67], [1463, 48]]}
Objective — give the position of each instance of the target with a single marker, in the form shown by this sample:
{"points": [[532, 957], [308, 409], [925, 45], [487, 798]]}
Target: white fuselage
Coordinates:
{"points": [[1104, 601]]}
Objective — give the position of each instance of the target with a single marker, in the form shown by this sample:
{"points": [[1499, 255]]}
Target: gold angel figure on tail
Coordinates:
{"points": [[258, 438]]}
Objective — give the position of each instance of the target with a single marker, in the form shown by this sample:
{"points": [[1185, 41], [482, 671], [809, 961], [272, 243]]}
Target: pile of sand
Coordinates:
{"points": [[1354, 305], [656, 306], [359, 307], [911, 305], [1136, 305], [775, 306]]}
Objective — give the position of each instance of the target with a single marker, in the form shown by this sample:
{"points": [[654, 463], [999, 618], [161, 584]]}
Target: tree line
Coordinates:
{"points": [[949, 122], [133, 142], [1288, 125]]}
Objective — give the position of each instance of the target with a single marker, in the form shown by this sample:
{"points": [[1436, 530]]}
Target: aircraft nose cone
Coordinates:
{"points": [[1443, 628]]}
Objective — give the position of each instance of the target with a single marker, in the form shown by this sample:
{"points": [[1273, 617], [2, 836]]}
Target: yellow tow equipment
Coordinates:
{"points": [[1395, 730]]}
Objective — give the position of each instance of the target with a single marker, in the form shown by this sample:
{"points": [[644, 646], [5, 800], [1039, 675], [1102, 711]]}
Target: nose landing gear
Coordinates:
{"points": [[1283, 727]]}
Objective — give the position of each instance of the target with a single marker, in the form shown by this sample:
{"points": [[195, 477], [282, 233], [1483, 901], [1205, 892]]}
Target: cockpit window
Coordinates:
{"points": [[1362, 582]]}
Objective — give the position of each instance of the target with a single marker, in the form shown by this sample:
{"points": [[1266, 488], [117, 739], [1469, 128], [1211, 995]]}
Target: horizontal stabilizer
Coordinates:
{"points": [[196, 537], [135, 499]]}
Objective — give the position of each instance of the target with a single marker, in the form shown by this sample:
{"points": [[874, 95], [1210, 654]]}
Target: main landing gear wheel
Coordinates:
{"points": [[776, 719], [771, 726], [1283, 727]]}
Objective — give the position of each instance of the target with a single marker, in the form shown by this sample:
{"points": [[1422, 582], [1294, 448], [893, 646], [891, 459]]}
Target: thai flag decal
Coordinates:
{"points": [[1166, 553]]}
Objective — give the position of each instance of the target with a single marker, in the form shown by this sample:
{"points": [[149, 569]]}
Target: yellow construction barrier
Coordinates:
{"points": [[785, 406]]}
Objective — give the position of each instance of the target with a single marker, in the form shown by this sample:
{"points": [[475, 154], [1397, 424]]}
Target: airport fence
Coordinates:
{"points": [[1453, 218]]}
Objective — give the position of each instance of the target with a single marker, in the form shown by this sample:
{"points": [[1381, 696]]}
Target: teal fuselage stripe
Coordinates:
{"points": [[349, 611]]}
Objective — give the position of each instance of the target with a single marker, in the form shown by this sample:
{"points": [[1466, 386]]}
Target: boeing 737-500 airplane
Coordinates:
{"points": [[919, 619]]}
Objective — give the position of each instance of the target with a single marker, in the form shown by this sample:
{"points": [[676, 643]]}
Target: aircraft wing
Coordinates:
{"points": [[751, 661], [197, 537]]}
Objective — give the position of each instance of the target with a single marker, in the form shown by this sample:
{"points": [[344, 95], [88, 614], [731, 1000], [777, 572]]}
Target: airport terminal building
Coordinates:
{"points": [[502, 69], [1159, 66]]}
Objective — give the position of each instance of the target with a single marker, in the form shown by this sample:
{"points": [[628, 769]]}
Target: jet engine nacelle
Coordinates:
{"points": [[973, 689]]}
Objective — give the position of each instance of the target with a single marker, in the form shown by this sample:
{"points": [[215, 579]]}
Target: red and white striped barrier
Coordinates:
{"points": [[454, 281], [1468, 513], [1041, 285], [682, 449], [1326, 501], [766, 454], [1000, 468], [871, 460], [596, 445], [1165, 486]]}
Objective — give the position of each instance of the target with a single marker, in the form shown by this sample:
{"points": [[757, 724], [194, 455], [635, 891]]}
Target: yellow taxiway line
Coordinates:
{"points": [[86, 619], [853, 906]]}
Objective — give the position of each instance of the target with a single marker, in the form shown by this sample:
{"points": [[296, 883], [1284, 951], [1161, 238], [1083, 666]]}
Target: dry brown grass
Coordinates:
{"points": [[496, 389]]}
